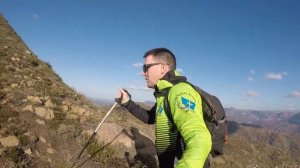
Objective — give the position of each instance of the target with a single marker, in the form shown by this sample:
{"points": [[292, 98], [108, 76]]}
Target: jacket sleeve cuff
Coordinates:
{"points": [[127, 103]]}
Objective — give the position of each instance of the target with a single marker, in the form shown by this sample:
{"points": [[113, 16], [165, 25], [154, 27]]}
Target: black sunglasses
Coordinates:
{"points": [[147, 66]]}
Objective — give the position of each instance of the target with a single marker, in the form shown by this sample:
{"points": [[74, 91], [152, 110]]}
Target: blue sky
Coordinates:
{"points": [[247, 52]]}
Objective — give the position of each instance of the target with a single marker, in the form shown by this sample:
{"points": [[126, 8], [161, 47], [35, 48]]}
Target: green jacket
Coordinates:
{"points": [[186, 109]]}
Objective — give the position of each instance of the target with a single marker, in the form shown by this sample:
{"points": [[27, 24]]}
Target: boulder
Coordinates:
{"points": [[34, 99], [87, 113], [65, 108], [44, 113], [78, 110], [28, 108], [49, 104], [28, 52], [71, 116], [40, 122], [113, 133], [42, 139], [49, 115], [14, 85], [15, 59], [9, 141], [66, 102], [50, 150], [219, 160], [28, 151]]}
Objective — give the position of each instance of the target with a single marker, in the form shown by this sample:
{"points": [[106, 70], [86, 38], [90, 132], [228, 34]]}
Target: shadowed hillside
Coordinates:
{"points": [[45, 123]]}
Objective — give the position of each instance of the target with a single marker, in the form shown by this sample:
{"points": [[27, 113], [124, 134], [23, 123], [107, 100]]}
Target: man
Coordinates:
{"points": [[188, 145]]}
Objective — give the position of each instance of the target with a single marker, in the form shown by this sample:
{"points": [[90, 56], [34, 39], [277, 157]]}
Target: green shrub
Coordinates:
{"points": [[17, 129], [102, 153], [34, 61], [58, 119], [24, 140], [57, 101], [17, 97], [48, 65], [44, 70], [43, 86], [12, 69], [5, 113], [2, 94], [18, 156]]}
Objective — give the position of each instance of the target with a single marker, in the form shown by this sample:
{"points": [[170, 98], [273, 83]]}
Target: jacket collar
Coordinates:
{"points": [[168, 80]]}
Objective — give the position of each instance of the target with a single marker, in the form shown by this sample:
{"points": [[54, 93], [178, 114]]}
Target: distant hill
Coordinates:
{"points": [[259, 147], [279, 121], [149, 103], [101, 102], [105, 102], [295, 119], [45, 123]]}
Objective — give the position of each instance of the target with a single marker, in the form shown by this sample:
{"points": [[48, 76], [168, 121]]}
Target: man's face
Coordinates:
{"points": [[153, 71]]}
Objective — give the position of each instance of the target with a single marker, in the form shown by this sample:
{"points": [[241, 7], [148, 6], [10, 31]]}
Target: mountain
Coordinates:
{"points": [[279, 121], [45, 123], [101, 102], [250, 146], [105, 102]]}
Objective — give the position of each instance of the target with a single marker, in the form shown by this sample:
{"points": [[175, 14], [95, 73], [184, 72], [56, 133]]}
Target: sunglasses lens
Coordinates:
{"points": [[145, 68]]}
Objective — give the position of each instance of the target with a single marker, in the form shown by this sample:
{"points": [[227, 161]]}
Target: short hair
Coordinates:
{"points": [[164, 55]]}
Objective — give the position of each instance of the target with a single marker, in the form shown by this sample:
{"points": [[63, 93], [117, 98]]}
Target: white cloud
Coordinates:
{"points": [[35, 16], [143, 88], [250, 94], [252, 73], [275, 76], [250, 78], [179, 70], [295, 93], [137, 65]]}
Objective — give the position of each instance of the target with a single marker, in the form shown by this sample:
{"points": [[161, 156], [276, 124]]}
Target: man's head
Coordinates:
{"points": [[157, 62]]}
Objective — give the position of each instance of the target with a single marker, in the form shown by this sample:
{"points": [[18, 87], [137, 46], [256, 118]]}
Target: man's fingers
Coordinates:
{"points": [[119, 94], [123, 96], [123, 91]]}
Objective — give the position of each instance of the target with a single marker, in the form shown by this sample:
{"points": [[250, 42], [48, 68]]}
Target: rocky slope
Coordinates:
{"points": [[45, 123]]}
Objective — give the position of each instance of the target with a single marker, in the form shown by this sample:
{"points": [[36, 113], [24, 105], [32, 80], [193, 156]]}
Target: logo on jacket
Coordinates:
{"points": [[187, 104], [160, 109]]}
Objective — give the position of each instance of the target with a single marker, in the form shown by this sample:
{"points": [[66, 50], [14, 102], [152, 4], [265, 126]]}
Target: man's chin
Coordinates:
{"points": [[150, 86]]}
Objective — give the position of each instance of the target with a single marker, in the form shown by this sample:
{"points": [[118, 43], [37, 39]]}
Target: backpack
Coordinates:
{"points": [[214, 117]]}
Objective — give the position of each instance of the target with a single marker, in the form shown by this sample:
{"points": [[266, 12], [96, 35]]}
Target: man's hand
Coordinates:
{"points": [[123, 97]]}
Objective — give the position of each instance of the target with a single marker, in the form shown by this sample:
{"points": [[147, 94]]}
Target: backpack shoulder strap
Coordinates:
{"points": [[207, 103], [168, 109], [167, 104]]}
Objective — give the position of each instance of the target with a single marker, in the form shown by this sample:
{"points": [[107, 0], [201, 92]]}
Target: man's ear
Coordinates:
{"points": [[164, 69]]}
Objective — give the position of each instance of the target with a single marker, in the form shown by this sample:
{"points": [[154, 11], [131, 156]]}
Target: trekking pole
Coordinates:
{"points": [[94, 133]]}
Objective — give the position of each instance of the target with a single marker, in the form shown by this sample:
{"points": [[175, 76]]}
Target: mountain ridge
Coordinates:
{"points": [[278, 121]]}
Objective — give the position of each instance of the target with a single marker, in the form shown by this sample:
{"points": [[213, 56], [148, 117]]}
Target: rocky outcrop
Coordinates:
{"points": [[111, 133], [9, 141]]}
